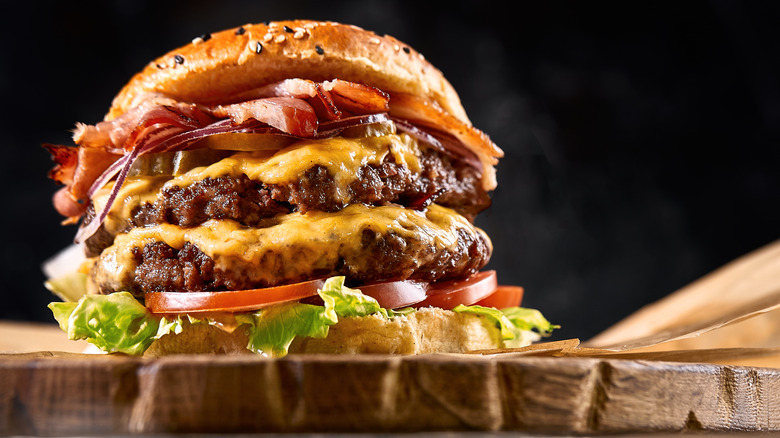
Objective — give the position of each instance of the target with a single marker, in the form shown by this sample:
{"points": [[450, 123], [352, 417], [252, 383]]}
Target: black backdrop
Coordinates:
{"points": [[641, 141]]}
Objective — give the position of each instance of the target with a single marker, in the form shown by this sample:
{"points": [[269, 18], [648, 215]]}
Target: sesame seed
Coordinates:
{"points": [[160, 66], [240, 31], [298, 34], [396, 47], [374, 41], [407, 50], [288, 29], [202, 38], [279, 39], [178, 59], [319, 50], [258, 48], [268, 37]]}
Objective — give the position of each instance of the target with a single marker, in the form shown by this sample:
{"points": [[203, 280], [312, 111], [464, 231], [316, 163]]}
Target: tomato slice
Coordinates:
{"points": [[480, 288], [449, 294], [396, 294], [229, 301], [503, 297]]}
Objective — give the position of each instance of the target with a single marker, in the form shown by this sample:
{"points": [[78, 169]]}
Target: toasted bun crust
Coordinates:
{"points": [[227, 63], [428, 330]]}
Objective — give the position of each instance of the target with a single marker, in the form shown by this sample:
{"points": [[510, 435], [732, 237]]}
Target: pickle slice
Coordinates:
{"points": [[238, 141], [176, 162]]}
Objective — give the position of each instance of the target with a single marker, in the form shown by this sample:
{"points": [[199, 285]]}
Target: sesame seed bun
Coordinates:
{"points": [[236, 60], [215, 68]]}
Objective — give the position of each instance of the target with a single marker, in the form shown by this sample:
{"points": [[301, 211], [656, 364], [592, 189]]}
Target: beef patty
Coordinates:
{"points": [[365, 244], [449, 182], [162, 268]]}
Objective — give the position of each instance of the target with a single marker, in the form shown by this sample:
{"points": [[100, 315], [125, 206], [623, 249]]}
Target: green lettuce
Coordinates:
{"points": [[69, 287], [119, 323], [519, 326], [115, 323], [272, 330]]}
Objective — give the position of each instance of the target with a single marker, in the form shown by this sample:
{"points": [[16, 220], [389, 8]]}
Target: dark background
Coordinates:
{"points": [[641, 138]]}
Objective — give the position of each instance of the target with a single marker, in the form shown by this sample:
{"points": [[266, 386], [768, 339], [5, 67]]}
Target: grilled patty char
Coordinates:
{"points": [[446, 181], [365, 244]]}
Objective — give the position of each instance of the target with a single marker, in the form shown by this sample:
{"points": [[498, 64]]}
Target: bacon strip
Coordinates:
{"points": [[183, 116], [66, 158], [113, 133], [77, 168], [324, 105], [92, 162], [288, 114], [357, 98], [331, 100], [431, 116], [67, 206], [300, 88], [295, 107]]}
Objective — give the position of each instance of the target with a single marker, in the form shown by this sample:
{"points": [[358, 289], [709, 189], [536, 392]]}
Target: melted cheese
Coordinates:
{"points": [[134, 192], [341, 156], [293, 245]]}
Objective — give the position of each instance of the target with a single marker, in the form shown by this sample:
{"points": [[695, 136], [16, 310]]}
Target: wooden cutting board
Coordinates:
{"points": [[48, 393]]}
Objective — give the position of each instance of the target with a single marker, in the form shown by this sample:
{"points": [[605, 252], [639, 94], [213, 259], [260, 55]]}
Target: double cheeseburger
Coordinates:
{"points": [[290, 187]]}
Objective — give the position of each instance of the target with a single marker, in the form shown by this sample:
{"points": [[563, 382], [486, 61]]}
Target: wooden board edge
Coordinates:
{"points": [[211, 394]]}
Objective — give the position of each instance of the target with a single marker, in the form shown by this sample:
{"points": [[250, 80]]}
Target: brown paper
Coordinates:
{"points": [[729, 317], [732, 314]]}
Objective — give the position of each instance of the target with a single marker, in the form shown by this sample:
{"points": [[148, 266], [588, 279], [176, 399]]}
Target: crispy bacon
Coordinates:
{"points": [[452, 133], [66, 158], [331, 100], [67, 206], [76, 168], [295, 107], [429, 114], [91, 163], [357, 98], [300, 88], [288, 114], [183, 116], [114, 133], [324, 105]]}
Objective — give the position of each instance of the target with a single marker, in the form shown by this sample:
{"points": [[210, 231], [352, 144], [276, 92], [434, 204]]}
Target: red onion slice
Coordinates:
{"points": [[441, 142], [333, 127], [90, 228]]}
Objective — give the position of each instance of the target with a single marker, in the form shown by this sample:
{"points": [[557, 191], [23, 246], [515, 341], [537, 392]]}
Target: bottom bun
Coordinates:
{"points": [[428, 330]]}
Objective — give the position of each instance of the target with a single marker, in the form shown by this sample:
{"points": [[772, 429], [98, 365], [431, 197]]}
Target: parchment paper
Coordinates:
{"points": [[731, 316]]}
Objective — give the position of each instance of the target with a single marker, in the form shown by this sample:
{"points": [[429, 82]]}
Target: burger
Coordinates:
{"points": [[286, 187]]}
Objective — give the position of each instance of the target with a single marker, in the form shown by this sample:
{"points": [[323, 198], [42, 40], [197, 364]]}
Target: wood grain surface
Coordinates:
{"points": [[49, 393]]}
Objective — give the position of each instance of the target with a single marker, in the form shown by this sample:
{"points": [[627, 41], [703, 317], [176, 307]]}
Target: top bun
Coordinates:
{"points": [[233, 61]]}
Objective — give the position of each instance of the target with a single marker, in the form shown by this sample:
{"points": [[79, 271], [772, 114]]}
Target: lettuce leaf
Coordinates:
{"points": [[119, 323], [529, 319], [345, 301], [115, 322], [272, 330], [519, 326], [69, 287]]}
